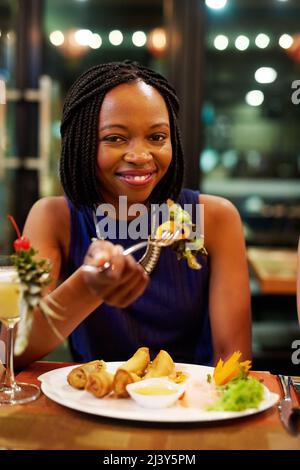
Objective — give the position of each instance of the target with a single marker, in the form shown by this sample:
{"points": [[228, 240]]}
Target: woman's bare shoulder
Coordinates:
{"points": [[218, 207], [49, 218], [222, 221], [49, 208]]}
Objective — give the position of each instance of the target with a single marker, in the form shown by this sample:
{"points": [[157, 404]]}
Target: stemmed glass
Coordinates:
{"points": [[11, 392]]}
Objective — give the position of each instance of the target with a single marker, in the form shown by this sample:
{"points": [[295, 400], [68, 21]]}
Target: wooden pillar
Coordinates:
{"points": [[184, 20]]}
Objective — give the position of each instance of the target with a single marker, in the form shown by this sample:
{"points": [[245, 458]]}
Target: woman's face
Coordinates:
{"points": [[135, 147]]}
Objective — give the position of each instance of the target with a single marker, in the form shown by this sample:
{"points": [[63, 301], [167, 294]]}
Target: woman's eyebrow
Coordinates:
{"points": [[108, 126], [159, 124], [121, 126]]}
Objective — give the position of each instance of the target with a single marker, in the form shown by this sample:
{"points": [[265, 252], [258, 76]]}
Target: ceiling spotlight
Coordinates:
{"points": [[139, 38], [221, 42], [95, 41], [265, 75], [262, 40], [216, 4], [254, 98], [115, 37], [242, 43], [56, 38], [286, 41], [83, 37]]}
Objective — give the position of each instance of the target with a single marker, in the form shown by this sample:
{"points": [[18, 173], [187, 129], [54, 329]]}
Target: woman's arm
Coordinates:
{"points": [[48, 229], [229, 288]]}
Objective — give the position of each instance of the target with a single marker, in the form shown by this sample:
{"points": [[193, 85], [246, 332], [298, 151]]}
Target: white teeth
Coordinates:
{"points": [[136, 178]]}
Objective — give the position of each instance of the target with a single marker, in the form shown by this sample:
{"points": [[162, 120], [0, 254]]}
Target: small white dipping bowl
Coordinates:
{"points": [[155, 393]]}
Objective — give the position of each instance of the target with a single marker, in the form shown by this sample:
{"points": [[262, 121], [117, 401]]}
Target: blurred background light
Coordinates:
{"points": [[262, 40], [95, 41], [115, 37], [265, 75], [254, 98], [83, 37], [216, 4], [242, 42], [139, 38], [157, 42], [56, 38], [221, 42], [230, 158], [209, 159], [286, 41]]}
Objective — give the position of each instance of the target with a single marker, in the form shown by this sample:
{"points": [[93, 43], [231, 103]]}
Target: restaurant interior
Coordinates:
{"points": [[236, 67]]}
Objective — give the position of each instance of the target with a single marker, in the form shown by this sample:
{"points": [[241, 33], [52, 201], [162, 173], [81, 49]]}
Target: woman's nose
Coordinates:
{"points": [[137, 157]]}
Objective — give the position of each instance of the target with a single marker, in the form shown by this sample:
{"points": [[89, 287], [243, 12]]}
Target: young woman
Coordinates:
{"points": [[120, 137]]}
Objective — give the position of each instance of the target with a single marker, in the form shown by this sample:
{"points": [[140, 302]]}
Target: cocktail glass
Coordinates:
{"points": [[12, 392]]}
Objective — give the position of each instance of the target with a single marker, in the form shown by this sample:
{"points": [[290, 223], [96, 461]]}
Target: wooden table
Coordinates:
{"points": [[275, 269], [44, 424]]}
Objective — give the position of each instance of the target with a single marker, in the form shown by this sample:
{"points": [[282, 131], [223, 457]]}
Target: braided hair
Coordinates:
{"points": [[79, 131]]}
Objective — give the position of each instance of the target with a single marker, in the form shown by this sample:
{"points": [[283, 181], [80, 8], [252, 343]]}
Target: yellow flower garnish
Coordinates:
{"points": [[226, 371]]}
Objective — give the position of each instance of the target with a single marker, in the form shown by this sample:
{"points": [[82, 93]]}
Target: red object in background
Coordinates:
{"points": [[21, 243], [294, 50]]}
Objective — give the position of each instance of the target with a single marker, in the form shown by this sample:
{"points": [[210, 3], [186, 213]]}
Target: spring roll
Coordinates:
{"points": [[162, 366], [78, 376], [121, 379], [100, 383]]}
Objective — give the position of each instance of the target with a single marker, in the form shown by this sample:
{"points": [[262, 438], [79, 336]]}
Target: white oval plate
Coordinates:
{"points": [[55, 386]]}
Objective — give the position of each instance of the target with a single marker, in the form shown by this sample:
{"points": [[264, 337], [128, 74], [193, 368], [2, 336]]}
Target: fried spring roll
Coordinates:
{"points": [[138, 363], [162, 366], [121, 379], [78, 376], [100, 383]]}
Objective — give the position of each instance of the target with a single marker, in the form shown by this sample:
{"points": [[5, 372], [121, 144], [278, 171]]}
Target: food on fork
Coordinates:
{"points": [[78, 376], [100, 383], [162, 366], [186, 246]]}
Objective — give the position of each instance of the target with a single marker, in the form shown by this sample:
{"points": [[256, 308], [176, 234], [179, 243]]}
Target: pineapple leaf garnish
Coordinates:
{"points": [[34, 275]]}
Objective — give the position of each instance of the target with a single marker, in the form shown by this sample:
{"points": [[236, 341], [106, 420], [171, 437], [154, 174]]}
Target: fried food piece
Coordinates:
{"points": [[162, 366], [100, 383], [122, 378], [138, 363], [78, 376], [131, 371]]}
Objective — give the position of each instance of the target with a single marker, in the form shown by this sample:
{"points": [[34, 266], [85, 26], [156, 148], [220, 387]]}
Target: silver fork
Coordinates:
{"points": [[167, 238]]}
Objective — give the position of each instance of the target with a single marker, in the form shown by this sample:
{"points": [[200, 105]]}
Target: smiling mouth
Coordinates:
{"points": [[136, 179]]}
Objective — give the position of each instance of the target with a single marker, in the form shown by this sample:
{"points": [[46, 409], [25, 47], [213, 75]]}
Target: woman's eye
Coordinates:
{"points": [[158, 137], [112, 138]]}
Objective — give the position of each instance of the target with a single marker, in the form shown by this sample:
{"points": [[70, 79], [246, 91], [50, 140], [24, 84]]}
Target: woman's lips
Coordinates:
{"points": [[136, 179]]}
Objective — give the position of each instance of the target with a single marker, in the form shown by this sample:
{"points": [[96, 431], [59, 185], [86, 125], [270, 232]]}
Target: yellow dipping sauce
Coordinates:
{"points": [[154, 390]]}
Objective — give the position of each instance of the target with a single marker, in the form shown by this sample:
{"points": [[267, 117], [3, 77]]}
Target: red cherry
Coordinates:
{"points": [[22, 243]]}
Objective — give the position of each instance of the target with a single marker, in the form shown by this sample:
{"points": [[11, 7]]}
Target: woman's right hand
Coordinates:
{"points": [[122, 283]]}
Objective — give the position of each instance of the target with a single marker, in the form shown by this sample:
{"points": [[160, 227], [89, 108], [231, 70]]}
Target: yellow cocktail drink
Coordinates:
{"points": [[10, 296]]}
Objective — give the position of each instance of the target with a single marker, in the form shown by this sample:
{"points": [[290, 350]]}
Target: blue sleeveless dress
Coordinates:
{"points": [[172, 314]]}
